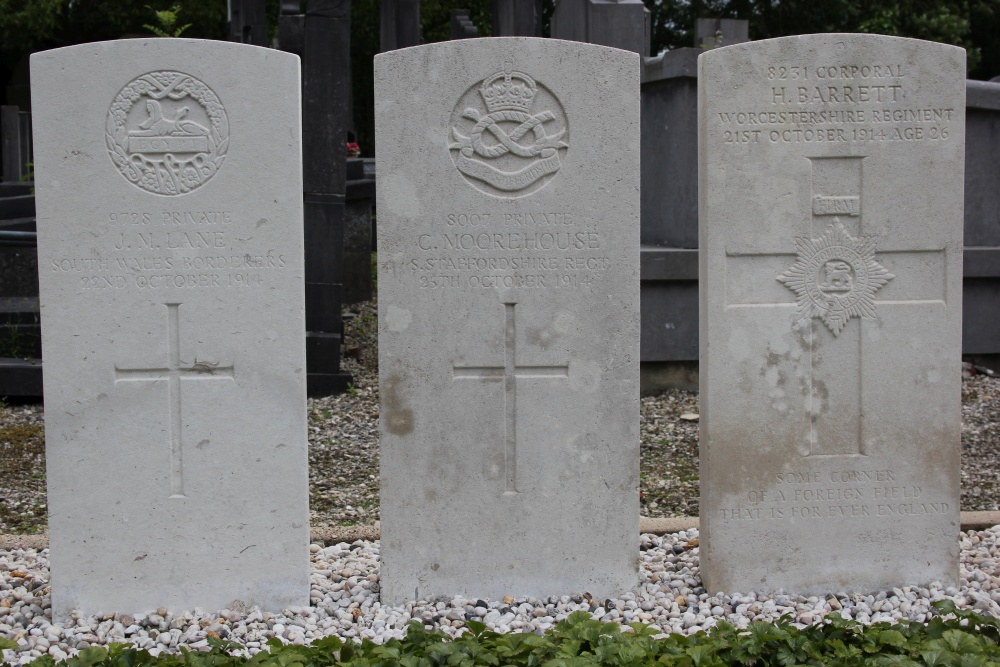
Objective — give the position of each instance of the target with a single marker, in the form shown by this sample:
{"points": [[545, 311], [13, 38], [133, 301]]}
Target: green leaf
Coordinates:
{"points": [[960, 642], [477, 627], [935, 657], [700, 653], [892, 638]]}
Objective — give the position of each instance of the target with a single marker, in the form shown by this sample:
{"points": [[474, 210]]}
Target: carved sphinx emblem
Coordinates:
{"points": [[167, 132]]}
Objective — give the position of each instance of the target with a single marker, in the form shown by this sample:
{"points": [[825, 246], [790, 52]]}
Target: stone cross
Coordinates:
{"points": [[834, 241], [173, 373], [509, 373]]}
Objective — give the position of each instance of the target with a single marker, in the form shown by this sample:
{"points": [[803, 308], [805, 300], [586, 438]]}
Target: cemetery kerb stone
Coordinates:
{"points": [[170, 249], [831, 171], [508, 195]]}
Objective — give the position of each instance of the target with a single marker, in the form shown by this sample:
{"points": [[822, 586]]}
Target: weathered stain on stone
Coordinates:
{"points": [[543, 338], [398, 419]]}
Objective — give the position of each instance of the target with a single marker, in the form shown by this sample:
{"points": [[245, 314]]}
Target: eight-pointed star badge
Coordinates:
{"points": [[835, 277]]}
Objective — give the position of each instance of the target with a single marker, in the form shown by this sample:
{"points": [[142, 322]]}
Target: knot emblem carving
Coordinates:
{"points": [[167, 132], [498, 144], [835, 277]]}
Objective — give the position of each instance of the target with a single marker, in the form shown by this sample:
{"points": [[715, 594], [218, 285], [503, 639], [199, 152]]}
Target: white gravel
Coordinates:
{"points": [[344, 600]]}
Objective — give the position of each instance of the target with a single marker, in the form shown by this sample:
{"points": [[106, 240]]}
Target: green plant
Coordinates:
{"points": [[713, 42], [29, 175], [955, 637], [166, 20], [14, 343]]}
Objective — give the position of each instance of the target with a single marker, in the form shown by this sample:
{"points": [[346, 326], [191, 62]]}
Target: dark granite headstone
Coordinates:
{"points": [[517, 18], [15, 143], [291, 27], [247, 22], [669, 160], [569, 20], [358, 237], [623, 24], [981, 296], [20, 333], [322, 38], [462, 26], [399, 24]]}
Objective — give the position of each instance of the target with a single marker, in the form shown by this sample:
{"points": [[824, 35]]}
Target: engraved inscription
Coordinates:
{"points": [[835, 494], [850, 103], [171, 250], [526, 249], [509, 374], [508, 134], [836, 205], [167, 132], [174, 372]]}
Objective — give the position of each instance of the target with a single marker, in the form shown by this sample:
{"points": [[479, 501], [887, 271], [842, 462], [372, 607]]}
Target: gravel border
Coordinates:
{"points": [[344, 601]]}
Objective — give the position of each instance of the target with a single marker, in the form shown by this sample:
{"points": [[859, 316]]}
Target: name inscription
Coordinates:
{"points": [[170, 250], [858, 103], [522, 249]]}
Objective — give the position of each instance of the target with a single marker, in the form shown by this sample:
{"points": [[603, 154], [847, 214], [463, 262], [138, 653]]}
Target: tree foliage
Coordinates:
{"points": [[971, 24]]}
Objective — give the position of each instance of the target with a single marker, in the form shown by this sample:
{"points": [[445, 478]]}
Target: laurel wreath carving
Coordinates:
{"points": [[169, 175]]}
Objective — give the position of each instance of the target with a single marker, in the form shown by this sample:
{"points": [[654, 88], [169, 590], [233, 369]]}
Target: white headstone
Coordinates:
{"points": [[168, 176], [508, 195], [831, 308]]}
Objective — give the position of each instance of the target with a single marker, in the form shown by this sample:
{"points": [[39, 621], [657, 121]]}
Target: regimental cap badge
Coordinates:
{"points": [[167, 132], [835, 277], [498, 145]]}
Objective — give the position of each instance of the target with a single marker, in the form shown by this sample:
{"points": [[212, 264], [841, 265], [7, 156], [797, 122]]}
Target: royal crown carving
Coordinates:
{"points": [[508, 91]]}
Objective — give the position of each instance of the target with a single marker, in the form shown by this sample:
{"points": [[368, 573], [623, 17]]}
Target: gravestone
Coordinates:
{"points": [[622, 24], [831, 301], [358, 237], [669, 234], [15, 146], [462, 26], [508, 318], [981, 293], [171, 273], [326, 113], [248, 22], [517, 18], [399, 24]]}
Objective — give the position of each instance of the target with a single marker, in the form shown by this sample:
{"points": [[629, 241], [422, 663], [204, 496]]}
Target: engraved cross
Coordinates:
{"points": [[754, 277], [173, 373], [509, 374]]}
